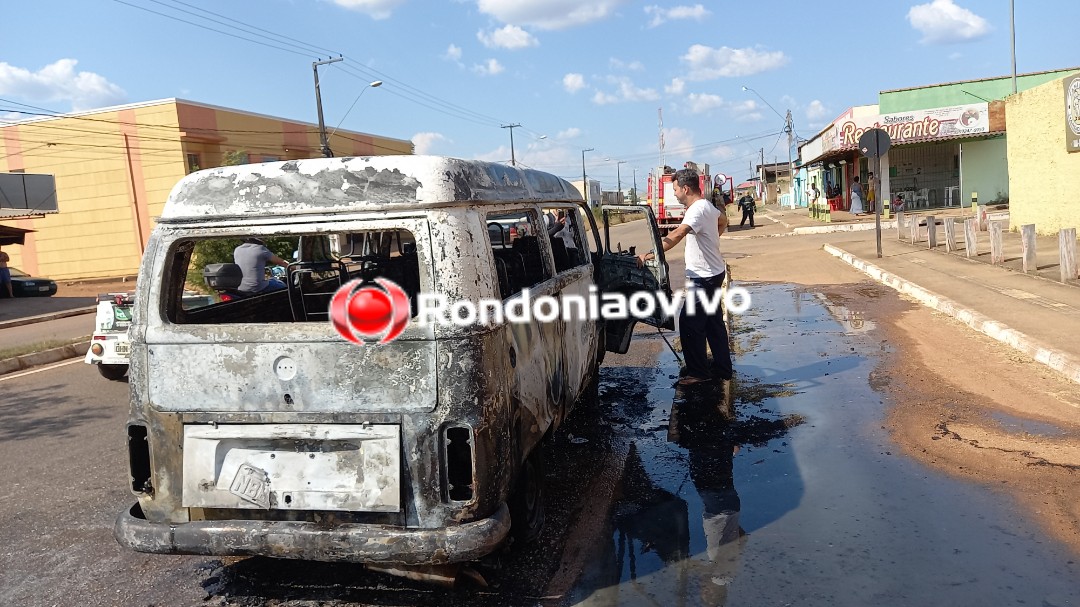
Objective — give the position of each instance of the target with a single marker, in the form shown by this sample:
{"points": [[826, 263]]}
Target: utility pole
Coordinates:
{"points": [[1012, 31], [513, 160], [635, 200], [790, 165], [764, 183], [584, 179], [318, 101]]}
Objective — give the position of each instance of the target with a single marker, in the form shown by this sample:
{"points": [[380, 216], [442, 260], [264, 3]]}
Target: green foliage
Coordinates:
{"points": [[220, 250], [234, 157]]}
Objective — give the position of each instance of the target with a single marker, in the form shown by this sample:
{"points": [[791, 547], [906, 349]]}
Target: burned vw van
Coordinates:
{"points": [[260, 425]]}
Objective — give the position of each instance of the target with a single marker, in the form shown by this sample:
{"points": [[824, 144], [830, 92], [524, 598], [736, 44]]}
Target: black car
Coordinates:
{"points": [[24, 285]]}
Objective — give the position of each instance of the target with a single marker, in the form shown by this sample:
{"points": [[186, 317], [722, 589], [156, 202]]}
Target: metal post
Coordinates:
{"points": [[584, 179], [635, 186], [318, 102], [513, 159], [790, 167], [1012, 31]]}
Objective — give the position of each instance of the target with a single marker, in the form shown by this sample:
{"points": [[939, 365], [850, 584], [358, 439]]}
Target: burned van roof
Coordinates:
{"points": [[355, 184]]}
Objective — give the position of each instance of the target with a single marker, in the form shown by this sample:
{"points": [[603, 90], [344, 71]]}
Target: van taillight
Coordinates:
{"points": [[139, 459], [458, 457]]}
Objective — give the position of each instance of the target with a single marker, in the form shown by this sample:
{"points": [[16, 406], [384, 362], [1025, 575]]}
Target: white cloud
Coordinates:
{"points": [[549, 14], [660, 15], [376, 9], [58, 82], [488, 68], [746, 111], [816, 110], [570, 133], [701, 103], [573, 82], [677, 87], [425, 142], [678, 146], [955, 56], [707, 63], [724, 152], [602, 98], [509, 37], [627, 91], [453, 53], [634, 66], [943, 22]]}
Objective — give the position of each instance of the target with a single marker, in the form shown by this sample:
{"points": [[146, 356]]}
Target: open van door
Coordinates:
{"points": [[629, 231]]}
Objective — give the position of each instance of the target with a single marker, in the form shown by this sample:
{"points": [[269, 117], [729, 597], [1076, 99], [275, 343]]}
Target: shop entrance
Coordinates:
{"points": [[927, 175]]}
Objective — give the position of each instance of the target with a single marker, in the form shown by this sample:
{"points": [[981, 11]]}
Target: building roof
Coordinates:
{"points": [[927, 86], [354, 185]]}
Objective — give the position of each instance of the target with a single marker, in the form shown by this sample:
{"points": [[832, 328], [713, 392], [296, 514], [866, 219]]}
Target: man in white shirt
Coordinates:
{"points": [[702, 226]]}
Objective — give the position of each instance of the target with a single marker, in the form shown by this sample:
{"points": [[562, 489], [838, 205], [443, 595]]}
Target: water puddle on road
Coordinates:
{"points": [[781, 487]]}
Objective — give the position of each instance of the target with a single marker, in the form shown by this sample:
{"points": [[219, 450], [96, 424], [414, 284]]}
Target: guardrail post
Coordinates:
{"points": [[971, 234], [931, 231], [1027, 243], [1067, 253], [997, 254], [899, 225], [913, 223], [950, 234]]}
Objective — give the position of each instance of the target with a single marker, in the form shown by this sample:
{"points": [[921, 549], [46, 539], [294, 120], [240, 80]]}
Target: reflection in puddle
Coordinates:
{"points": [[1011, 423], [675, 528]]}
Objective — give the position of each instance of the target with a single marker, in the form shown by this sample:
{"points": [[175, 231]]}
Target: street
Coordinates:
{"points": [[847, 464]]}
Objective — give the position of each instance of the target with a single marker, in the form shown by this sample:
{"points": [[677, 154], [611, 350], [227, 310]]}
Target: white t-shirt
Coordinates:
{"points": [[703, 258]]}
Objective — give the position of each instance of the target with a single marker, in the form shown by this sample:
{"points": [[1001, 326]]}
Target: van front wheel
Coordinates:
{"points": [[527, 501], [112, 372]]}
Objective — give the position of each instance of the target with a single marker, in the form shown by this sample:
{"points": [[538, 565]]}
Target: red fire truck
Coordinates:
{"points": [[661, 196]]}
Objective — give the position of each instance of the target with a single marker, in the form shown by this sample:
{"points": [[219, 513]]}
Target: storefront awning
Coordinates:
{"points": [[10, 235]]}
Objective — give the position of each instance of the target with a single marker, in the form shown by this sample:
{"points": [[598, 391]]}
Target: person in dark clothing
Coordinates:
{"points": [[746, 203]]}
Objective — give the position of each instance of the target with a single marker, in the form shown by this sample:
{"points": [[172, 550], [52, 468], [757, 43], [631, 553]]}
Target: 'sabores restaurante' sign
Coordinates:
{"points": [[916, 125]]}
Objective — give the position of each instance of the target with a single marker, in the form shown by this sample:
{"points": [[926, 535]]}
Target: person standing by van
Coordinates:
{"points": [[701, 226], [5, 274]]}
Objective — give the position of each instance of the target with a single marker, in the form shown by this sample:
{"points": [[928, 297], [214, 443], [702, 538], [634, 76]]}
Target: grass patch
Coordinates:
{"points": [[40, 346]]}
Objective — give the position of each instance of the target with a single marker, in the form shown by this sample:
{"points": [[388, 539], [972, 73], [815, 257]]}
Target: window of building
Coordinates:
{"points": [[193, 163], [519, 259]]}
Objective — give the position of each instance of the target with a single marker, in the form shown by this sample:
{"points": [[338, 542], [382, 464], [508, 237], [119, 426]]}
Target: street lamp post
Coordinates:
{"points": [[635, 200], [371, 85], [618, 177], [584, 179], [790, 130], [318, 102]]}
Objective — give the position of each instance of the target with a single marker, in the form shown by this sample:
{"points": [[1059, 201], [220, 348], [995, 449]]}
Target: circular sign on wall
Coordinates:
{"points": [[1072, 106]]}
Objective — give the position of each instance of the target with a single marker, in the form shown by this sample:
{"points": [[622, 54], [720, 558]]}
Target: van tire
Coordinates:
{"points": [[112, 372], [527, 501]]}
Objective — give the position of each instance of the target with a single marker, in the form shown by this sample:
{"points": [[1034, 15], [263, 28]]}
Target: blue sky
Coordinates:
{"points": [[580, 73]]}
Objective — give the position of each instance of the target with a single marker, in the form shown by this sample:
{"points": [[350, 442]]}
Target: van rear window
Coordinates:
{"points": [[285, 278]]}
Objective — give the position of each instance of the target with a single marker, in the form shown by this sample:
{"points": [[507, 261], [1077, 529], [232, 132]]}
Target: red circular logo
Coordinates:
{"points": [[370, 310]]}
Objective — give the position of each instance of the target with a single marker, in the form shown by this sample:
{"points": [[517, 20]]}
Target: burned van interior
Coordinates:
{"points": [[318, 265], [515, 245]]}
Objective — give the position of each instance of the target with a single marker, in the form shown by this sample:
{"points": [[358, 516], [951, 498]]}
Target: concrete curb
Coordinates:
{"points": [[45, 357], [845, 227], [1064, 363], [28, 320]]}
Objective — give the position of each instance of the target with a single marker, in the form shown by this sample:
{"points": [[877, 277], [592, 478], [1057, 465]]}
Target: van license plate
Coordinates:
{"points": [[123, 348], [251, 484]]}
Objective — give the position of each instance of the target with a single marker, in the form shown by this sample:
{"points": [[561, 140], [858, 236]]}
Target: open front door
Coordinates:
{"points": [[629, 231]]}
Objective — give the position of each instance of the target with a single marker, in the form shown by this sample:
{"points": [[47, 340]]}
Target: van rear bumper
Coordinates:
{"points": [[356, 543]]}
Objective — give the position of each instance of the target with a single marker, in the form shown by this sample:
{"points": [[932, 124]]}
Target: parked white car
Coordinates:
{"points": [[109, 346]]}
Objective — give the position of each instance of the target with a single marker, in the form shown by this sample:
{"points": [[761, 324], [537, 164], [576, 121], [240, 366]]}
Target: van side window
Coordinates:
{"points": [[566, 236], [515, 243], [317, 265]]}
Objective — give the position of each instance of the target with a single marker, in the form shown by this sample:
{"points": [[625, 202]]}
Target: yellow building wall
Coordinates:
{"points": [[110, 167], [115, 169], [1043, 178]]}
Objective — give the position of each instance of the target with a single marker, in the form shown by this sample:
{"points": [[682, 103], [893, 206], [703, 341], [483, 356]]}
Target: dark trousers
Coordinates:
{"points": [[700, 328], [747, 213]]}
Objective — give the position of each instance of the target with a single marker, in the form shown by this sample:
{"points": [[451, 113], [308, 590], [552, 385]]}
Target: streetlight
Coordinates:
{"points": [[635, 201], [513, 159], [618, 176], [790, 130], [370, 85], [584, 182]]}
